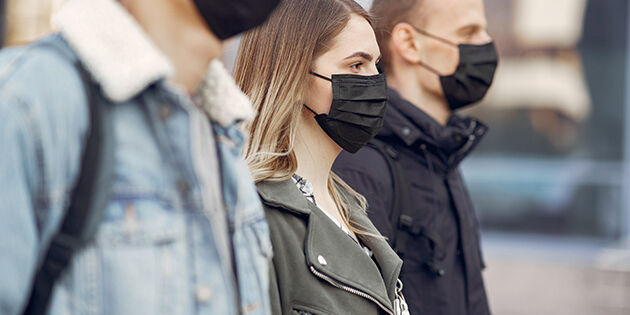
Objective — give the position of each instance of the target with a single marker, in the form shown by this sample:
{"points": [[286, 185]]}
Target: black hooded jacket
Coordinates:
{"points": [[442, 277]]}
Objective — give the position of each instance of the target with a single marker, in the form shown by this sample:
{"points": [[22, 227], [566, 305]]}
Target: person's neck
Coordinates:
{"points": [[315, 153], [408, 87], [180, 33]]}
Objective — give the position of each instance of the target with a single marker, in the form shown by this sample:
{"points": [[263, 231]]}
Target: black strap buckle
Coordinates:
{"points": [[60, 252], [406, 223]]}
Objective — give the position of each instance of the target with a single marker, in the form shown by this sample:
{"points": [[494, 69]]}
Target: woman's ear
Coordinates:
{"points": [[405, 44]]}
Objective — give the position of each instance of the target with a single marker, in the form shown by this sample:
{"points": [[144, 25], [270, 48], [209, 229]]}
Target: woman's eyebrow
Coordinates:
{"points": [[361, 54]]}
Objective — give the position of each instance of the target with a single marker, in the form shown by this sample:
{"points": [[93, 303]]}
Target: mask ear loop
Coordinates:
{"points": [[443, 40], [438, 38], [312, 111], [426, 66], [320, 76]]}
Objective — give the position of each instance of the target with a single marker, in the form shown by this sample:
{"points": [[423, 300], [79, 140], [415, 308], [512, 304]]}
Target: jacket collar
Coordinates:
{"points": [[353, 268], [327, 240], [221, 98], [124, 61], [283, 194], [112, 46], [413, 126]]}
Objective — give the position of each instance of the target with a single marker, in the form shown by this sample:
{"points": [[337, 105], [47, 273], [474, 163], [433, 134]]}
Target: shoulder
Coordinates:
{"points": [[42, 61], [367, 170], [286, 209], [43, 107], [44, 76], [279, 217], [367, 160]]}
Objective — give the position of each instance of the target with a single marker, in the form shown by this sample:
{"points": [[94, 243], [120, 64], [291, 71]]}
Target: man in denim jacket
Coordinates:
{"points": [[183, 230]]}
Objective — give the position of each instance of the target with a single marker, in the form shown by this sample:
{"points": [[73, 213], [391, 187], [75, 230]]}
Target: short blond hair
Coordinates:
{"points": [[386, 14]]}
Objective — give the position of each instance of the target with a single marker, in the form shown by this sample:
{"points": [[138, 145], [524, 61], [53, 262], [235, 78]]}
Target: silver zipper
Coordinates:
{"points": [[400, 304], [349, 289]]}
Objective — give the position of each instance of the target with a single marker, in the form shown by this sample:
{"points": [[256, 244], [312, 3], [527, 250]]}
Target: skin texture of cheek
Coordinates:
{"points": [[347, 55], [319, 95], [442, 58]]}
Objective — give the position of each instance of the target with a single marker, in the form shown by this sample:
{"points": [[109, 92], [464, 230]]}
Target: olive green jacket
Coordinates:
{"points": [[317, 268]]}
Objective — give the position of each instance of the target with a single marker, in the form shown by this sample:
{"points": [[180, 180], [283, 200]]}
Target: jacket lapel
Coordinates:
{"points": [[389, 262], [331, 252], [284, 195]]}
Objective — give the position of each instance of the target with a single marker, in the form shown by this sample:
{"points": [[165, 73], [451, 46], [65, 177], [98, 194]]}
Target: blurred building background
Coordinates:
{"points": [[551, 181]]}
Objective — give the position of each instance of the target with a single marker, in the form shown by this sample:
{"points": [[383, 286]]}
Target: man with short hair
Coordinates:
{"points": [[180, 229], [438, 58]]}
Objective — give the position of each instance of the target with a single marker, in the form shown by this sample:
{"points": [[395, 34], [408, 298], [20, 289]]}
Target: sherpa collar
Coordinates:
{"points": [[112, 46], [221, 98], [124, 61]]}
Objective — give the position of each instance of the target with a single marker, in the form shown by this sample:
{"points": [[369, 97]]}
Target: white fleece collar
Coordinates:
{"points": [[221, 98], [112, 46], [124, 61]]}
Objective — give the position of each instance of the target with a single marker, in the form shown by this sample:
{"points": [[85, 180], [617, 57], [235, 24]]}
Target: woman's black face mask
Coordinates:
{"points": [[357, 110], [474, 74]]}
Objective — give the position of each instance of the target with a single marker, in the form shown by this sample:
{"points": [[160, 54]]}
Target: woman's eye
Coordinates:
{"points": [[356, 66]]}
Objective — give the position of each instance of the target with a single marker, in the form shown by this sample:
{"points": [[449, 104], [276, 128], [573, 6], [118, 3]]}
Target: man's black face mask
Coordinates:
{"points": [[474, 74], [232, 17]]}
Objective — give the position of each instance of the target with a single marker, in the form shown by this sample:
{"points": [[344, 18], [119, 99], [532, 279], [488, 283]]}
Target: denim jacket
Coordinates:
{"points": [[159, 249]]}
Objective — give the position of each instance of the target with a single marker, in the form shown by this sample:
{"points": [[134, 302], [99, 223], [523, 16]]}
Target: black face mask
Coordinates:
{"points": [[232, 17], [357, 110], [472, 78]]}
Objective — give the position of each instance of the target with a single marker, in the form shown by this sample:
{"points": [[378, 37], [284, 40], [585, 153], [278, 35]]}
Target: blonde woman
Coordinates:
{"points": [[311, 74]]}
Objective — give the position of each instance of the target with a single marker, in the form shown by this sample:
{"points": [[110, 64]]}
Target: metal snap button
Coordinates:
{"points": [[406, 131], [322, 261]]}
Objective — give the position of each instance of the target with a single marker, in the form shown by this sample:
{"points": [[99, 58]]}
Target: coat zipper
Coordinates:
{"points": [[349, 289]]}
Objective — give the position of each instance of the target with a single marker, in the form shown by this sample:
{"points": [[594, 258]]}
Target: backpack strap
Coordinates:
{"points": [[400, 193], [402, 210], [87, 204]]}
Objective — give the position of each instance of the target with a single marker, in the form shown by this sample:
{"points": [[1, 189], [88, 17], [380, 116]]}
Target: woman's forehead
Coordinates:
{"points": [[356, 36]]}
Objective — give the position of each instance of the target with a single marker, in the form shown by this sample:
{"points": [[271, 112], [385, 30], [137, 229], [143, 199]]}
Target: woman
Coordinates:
{"points": [[311, 74]]}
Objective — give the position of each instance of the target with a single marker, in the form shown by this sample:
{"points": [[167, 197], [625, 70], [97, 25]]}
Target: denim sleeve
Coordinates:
{"points": [[42, 126], [18, 196]]}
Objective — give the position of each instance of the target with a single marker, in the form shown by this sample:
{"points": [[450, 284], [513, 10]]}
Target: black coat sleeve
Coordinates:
{"points": [[367, 172]]}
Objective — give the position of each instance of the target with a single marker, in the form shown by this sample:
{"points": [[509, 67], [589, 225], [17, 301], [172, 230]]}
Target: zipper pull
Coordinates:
{"points": [[400, 305]]}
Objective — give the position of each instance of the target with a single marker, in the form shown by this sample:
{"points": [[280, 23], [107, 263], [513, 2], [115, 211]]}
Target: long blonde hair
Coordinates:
{"points": [[272, 69]]}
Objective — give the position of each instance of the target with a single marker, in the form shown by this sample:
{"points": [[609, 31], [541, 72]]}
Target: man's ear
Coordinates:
{"points": [[404, 43]]}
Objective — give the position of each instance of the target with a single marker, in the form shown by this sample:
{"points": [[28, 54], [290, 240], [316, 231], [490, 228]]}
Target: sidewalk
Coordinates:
{"points": [[526, 277]]}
